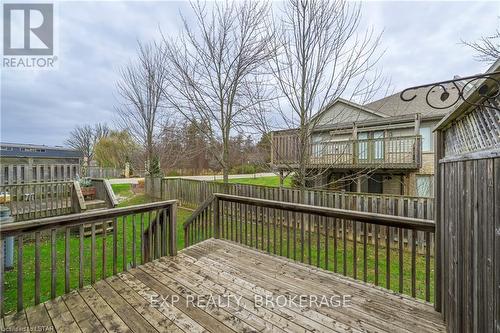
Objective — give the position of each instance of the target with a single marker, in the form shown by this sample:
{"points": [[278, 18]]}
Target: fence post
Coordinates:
{"points": [[173, 230], [216, 217]]}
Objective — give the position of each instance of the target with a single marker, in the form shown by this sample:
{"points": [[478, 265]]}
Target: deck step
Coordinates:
{"points": [[95, 204]]}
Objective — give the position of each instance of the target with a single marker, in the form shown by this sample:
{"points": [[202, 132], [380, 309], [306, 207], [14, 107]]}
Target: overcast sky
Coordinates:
{"points": [[422, 42]]}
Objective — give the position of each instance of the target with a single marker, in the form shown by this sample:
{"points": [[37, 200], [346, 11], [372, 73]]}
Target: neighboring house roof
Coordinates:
{"points": [[471, 95], [393, 105], [30, 150], [352, 104]]}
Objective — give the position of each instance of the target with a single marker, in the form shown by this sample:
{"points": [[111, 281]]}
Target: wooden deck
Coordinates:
{"points": [[214, 267]]}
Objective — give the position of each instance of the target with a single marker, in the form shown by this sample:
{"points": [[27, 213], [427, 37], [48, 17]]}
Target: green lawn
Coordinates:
{"points": [[123, 190], [266, 181]]}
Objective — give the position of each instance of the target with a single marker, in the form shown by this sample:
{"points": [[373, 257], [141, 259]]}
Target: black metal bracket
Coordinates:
{"points": [[489, 89]]}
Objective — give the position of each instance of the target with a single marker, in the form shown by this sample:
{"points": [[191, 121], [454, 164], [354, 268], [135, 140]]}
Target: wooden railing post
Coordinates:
{"points": [[216, 218], [173, 230]]}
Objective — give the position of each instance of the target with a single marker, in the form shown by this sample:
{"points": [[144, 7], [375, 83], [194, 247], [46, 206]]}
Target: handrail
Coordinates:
{"points": [[8, 229], [200, 215], [197, 212], [373, 218], [37, 183], [391, 138]]}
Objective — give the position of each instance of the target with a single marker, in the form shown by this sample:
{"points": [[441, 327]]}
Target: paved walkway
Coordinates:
{"points": [[205, 177]]}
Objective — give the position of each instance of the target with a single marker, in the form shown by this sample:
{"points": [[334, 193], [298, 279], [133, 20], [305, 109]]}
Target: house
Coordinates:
{"points": [[386, 146], [27, 163]]}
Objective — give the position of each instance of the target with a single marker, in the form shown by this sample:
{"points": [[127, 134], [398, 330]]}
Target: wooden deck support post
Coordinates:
{"points": [[172, 233]]}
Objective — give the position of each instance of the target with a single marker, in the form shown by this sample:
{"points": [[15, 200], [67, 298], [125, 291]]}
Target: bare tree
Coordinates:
{"points": [[487, 48], [140, 87], [84, 139], [214, 65], [321, 55]]}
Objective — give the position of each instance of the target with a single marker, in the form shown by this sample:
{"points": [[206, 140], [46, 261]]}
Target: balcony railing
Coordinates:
{"points": [[390, 152]]}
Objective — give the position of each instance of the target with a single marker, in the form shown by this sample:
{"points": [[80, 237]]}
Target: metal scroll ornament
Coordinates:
{"points": [[445, 94]]}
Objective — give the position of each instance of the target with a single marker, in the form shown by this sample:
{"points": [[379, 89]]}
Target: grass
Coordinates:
{"points": [[265, 181], [123, 190], [45, 257]]}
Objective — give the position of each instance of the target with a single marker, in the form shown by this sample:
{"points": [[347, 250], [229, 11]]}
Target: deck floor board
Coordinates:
{"points": [[124, 303]]}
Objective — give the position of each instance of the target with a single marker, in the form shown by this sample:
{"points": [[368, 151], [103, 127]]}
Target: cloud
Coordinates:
{"points": [[97, 38]]}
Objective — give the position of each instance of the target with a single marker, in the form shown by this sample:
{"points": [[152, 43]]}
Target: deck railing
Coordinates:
{"points": [[193, 193], [50, 248], [389, 152], [366, 246], [37, 200]]}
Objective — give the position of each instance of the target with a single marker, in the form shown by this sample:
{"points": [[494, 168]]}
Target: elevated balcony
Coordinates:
{"points": [[401, 152]]}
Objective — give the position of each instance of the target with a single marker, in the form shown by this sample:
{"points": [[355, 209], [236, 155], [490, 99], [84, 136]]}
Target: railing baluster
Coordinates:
{"points": [[37, 267], [413, 262], [335, 244], [20, 293], [2, 277], [81, 256], [355, 249], [344, 247], [400, 243], [309, 227], [326, 221], [376, 254], [124, 243], [104, 246], [157, 235], [260, 215], [233, 226], [134, 261], [365, 251], [141, 238], [53, 268], [427, 266], [318, 241], [268, 231], [388, 258], [66, 259], [92, 254], [246, 224], [150, 246], [115, 245]]}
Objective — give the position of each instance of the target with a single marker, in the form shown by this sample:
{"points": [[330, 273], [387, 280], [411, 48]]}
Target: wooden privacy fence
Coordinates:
{"points": [[319, 236], [37, 200], [138, 234], [193, 193]]}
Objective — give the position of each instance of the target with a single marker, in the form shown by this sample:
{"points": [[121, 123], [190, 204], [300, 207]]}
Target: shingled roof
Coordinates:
{"points": [[393, 105]]}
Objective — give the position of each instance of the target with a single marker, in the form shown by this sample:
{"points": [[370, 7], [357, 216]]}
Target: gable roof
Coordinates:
{"points": [[351, 104]]}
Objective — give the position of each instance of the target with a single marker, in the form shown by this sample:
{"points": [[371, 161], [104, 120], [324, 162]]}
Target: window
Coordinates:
{"points": [[14, 174], [425, 186], [35, 176], [427, 143], [317, 147]]}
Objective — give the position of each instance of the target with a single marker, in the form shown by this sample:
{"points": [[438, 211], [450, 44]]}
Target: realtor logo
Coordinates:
{"points": [[28, 29]]}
